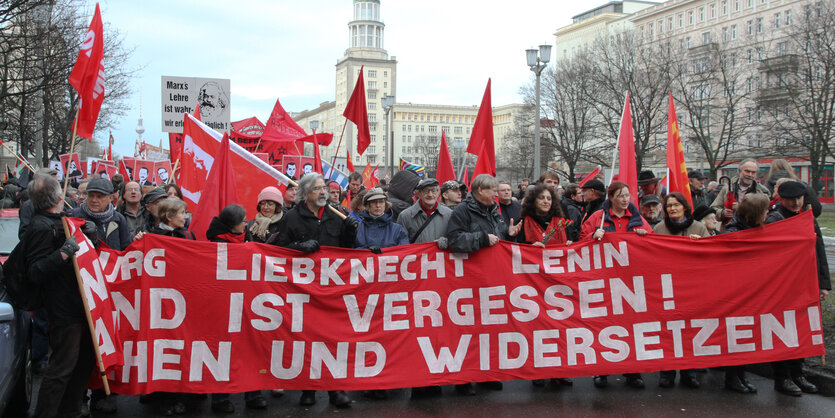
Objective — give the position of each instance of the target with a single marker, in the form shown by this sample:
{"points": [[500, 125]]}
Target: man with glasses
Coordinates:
{"points": [[426, 220]]}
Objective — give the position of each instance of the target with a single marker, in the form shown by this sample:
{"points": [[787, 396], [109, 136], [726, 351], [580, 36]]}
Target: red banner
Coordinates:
{"points": [[207, 317]]}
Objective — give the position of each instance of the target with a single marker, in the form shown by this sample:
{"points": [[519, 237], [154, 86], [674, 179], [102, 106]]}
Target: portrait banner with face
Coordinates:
{"points": [[72, 166], [57, 166], [105, 169], [126, 167], [181, 95], [144, 173], [162, 172]]}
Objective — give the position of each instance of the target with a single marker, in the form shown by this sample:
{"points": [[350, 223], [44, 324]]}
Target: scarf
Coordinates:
{"points": [[261, 226], [677, 227], [98, 217], [535, 232], [232, 237], [429, 211], [165, 227]]}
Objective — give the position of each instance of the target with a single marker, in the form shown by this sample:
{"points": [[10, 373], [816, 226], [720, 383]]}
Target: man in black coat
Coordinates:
{"points": [[400, 191], [788, 374], [306, 227], [507, 207], [49, 263]]}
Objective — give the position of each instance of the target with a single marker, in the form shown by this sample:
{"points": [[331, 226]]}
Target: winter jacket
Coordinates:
{"points": [[272, 229], [470, 224], [400, 191], [217, 229], [573, 212], [591, 208], [778, 213], [41, 243], [700, 198], [414, 217], [380, 232], [115, 233], [176, 233], [135, 222], [302, 225], [718, 204], [696, 228], [512, 210], [630, 221]]}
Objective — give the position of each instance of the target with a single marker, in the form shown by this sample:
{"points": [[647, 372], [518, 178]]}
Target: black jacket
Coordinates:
{"points": [[301, 224], [592, 207], [513, 210], [574, 212], [778, 213], [470, 224], [115, 233], [272, 229], [176, 233], [216, 228], [42, 240], [400, 191]]}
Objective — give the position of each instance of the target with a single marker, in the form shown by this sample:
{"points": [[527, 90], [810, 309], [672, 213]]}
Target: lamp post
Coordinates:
{"points": [[388, 103], [537, 61]]}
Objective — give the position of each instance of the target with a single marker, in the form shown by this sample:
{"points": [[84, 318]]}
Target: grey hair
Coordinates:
{"points": [[484, 181], [306, 185], [44, 192], [749, 160]]}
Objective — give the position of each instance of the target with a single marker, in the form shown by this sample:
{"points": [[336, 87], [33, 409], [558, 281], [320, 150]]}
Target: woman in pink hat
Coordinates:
{"points": [[265, 224]]}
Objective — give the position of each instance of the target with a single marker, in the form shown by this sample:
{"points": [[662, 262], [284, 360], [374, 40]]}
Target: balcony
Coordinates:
{"points": [[704, 49], [772, 94], [782, 63]]}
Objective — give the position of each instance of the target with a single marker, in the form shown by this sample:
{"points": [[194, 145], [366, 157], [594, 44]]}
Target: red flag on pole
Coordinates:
{"points": [[366, 176], [197, 113], [481, 140], [317, 158], [87, 78], [628, 172], [375, 179], [357, 112], [466, 178], [589, 176], [110, 147], [444, 172], [676, 168], [349, 164], [220, 191]]}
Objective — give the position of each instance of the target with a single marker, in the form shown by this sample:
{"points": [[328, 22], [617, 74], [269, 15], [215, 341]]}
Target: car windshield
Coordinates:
{"points": [[8, 234]]}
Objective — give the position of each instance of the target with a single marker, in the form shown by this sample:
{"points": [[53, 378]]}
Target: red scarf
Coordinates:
{"points": [[430, 210], [534, 232], [232, 237]]}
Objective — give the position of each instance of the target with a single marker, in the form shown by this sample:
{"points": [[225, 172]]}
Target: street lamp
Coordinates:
{"points": [[537, 61], [388, 103]]}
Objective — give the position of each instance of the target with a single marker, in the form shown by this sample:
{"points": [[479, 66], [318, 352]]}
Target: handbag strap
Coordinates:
{"points": [[422, 227]]}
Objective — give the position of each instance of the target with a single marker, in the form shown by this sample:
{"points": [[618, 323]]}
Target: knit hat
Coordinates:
{"points": [[271, 193]]}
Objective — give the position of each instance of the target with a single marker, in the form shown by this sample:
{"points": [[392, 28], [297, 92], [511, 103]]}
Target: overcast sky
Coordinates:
{"points": [[446, 50]]}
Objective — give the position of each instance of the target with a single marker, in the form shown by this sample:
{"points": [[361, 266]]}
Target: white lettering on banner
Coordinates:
{"points": [[363, 349], [636, 298], [328, 272], [706, 329], [161, 358], [390, 310], [259, 307], [735, 334], [201, 355], [105, 343], [488, 318], [621, 348], [675, 327], [444, 360], [223, 272], [267, 318], [139, 361], [360, 321], [157, 295], [565, 307], [236, 310], [587, 298], [552, 261], [123, 308], [507, 362], [431, 310], [296, 302], [770, 326], [529, 308], [541, 348], [277, 357], [642, 340], [321, 356], [579, 341]]}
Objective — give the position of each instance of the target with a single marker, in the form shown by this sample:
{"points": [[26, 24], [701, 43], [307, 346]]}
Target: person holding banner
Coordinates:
{"points": [[151, 199], [49, 263], [377, 231], [594, 194], [307, 226], [544, 223], [788, 375], [427, 219], [678, 220], [475, 224], [270, 212], [616, 214]]}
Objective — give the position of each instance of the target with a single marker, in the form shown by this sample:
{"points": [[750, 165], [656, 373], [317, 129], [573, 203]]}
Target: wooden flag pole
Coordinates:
{"points": [[72, 150], [19, 157], [338, 144], [87, 312], [174, 170]]}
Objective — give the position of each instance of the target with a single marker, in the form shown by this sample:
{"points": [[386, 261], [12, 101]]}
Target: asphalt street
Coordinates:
{"points": [[521, 399]]}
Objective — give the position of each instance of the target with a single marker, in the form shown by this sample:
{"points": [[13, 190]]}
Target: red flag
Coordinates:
{"points": [[317, 158], [590, 176], [220, 191], [197, 113], [444, 171], [677, 179], [375, 179], [87, 78], [200, 144], [175, 145], [481, 140], [628, 167], [357, 112], [349, 164], [110, 147], [366, 176], [466, 179]]}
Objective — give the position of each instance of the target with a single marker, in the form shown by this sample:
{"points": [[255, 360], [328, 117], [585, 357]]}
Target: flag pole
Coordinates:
{"points": [[614, 162], [174, 170], [19, 157], [87, 313], [72, 150], [338, 144]]}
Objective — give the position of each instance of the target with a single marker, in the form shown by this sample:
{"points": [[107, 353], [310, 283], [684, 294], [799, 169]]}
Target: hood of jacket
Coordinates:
{"points": [[403, 184], [216, 227]]}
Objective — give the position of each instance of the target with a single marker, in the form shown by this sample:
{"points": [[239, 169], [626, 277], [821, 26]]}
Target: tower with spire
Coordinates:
{"points": [[365, 48], [139, 131]]}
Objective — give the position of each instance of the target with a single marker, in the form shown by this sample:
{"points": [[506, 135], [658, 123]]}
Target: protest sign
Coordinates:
{"points": [[209, 317], [181, 94]]}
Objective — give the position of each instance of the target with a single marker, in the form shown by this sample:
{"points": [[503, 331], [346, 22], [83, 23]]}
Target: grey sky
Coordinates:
{"points": [[446, 50]]}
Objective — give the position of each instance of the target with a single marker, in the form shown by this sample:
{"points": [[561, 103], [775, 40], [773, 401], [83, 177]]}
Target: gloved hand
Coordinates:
{"points": [[375, 249], [350, 222], [442, 243], [309, 246], [89, 229], [70, 247]]}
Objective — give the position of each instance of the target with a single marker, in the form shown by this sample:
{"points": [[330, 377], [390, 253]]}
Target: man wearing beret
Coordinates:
{"points": [[788, 374]]}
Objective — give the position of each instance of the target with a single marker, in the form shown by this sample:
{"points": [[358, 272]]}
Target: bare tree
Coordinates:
{"points": [[514, 158], [800, 78], [714, 96], [625, 63]]}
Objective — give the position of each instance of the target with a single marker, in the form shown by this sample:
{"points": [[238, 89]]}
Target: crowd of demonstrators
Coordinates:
{"points": [[335, 197], [354, 188], [649, 184], [304, 218], [521, 189]]}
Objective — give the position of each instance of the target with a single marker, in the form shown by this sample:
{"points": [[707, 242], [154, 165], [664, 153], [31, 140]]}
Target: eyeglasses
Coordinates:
{"points": [[674, 205], [318, 188], [624, 196]]}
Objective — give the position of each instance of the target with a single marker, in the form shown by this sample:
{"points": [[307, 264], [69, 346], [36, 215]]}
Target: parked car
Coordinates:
{"points": [[15, 334]]}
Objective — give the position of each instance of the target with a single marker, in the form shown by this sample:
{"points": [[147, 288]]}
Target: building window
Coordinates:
{"points": [[670, 24], [701, 14], [750, 55], [373, 138], [706, 37], [385, 74], [372, 106], [372, 159], [777, 20], [788, 17], [783, 48], [750, 25], [712, 10], [690, 17], [404, 126], [725, 34], [733, 31], [385, 84], [759, 25], [372, 95], [724, 7], [372, 73], [372, 85], [681, 20], [736, 5], [372, 117]]}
